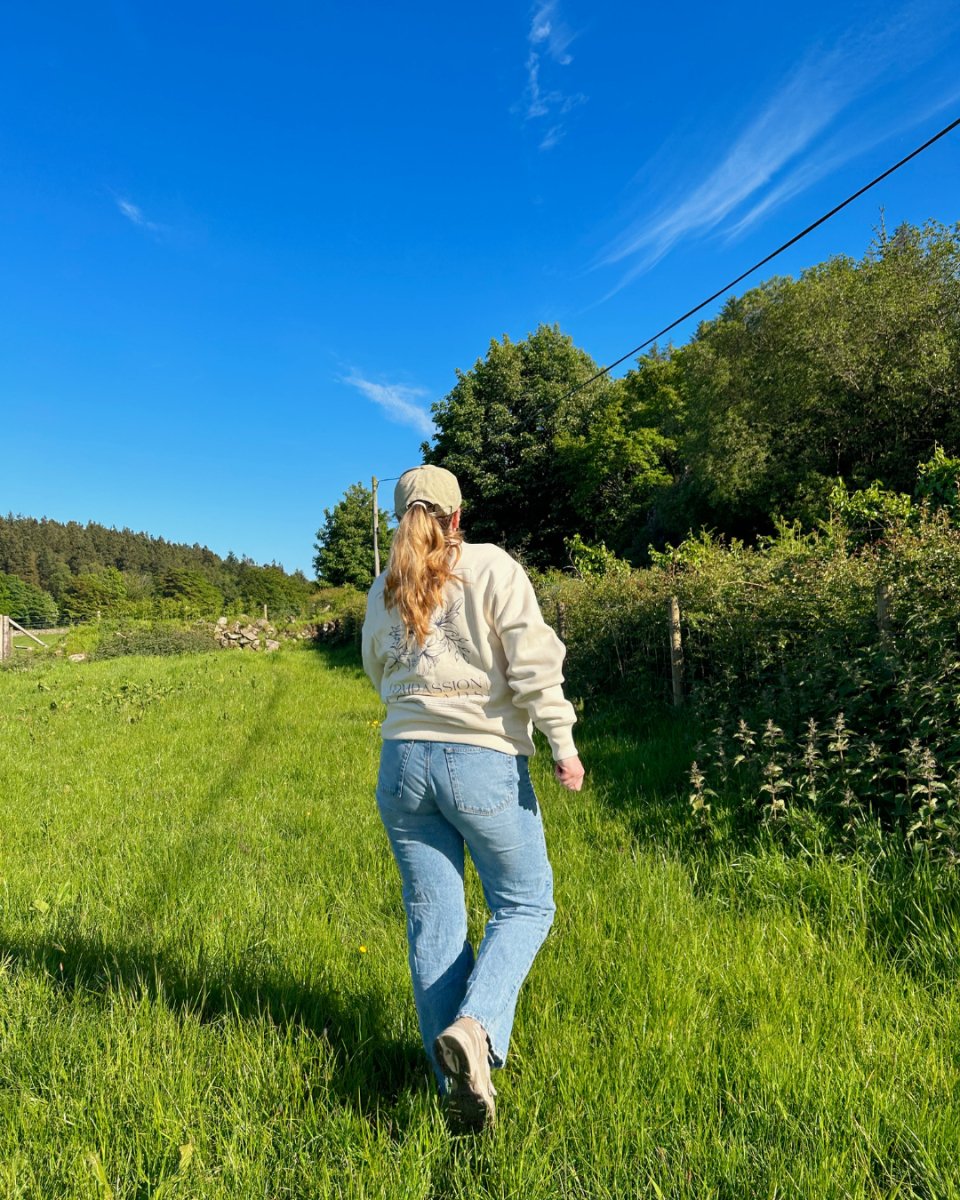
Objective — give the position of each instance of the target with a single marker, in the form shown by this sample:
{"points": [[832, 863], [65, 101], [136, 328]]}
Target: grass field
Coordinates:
{"points": [[204, 991]]}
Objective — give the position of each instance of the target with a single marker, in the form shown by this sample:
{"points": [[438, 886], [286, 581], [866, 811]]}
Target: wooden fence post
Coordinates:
{"points": [[6, 639], [883, 608], [676, 651]]}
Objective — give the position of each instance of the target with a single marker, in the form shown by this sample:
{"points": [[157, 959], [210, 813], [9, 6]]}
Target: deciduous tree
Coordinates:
{"points": [[499, 430], [345, 541]]}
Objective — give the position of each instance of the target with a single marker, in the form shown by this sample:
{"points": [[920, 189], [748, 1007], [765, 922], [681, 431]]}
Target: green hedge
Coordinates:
{"points": [[160, 640], [862, 641]]}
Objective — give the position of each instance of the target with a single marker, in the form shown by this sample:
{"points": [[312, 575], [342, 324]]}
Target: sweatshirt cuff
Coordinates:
{"points": [[561, 744]]}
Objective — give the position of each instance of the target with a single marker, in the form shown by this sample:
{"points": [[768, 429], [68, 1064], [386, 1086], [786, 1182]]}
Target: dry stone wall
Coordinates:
{"points": [[256, 635]]}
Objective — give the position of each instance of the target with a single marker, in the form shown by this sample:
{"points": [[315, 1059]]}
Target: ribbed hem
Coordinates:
{"points": [[486, 740], [451, 723], [561, 745]]}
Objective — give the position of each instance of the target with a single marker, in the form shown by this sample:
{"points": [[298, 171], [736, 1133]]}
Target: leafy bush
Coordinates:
{"points": [[192, 589], [338, 614], [590, 560], [154, 639], [614, 629], [827, 666], [938, 482], [868, 513], [96, 593]]}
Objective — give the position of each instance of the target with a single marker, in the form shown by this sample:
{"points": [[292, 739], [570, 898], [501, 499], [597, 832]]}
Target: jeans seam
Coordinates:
{"points": [[401, 774]]}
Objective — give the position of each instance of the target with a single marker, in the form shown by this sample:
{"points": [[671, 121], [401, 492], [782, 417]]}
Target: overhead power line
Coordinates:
{"points": [[763, 261]]}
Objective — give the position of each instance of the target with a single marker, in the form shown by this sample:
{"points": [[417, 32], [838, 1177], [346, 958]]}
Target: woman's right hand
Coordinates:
{"points": [[569, 772]]}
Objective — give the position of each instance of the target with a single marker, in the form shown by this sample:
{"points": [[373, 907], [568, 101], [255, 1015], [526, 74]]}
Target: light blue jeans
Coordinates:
{"points": [[434, 798]]}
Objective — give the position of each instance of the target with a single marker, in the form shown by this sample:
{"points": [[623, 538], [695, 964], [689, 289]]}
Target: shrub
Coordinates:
{"points": [[829, 673], [613, 626], [589, 561], [938, 482], [345, 609], [869, 513], [153, 639]]}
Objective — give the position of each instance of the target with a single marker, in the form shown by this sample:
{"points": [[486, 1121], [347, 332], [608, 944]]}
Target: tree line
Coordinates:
{"points": [[849, 372], [52, 570]]}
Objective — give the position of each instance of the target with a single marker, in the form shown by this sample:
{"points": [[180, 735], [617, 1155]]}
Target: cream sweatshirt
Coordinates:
{"points": [[490, 667]]}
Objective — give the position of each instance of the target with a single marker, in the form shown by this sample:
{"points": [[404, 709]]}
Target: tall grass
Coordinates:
{"points": [[204, 989]]}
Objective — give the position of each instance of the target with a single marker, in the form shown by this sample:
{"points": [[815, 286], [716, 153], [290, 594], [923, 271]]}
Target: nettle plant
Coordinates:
{"points": [[832, 772]]}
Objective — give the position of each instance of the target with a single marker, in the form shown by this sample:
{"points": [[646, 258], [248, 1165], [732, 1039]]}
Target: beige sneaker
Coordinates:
{"points": [[463, 1055]]}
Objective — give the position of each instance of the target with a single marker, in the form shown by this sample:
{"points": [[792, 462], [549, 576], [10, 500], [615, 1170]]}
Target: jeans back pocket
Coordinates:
{"points": [[483, 781]]}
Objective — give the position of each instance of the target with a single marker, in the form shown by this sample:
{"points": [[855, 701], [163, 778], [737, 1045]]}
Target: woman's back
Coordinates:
{"points": [[488, 666]]}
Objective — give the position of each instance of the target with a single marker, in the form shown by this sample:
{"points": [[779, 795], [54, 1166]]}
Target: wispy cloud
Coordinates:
{"points": [[549, 31], [770, 160], [831, 157], [397, 400], [548, 39], [134, 214]]}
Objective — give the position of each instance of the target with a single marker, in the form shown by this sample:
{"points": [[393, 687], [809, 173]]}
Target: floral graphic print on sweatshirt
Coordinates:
{"points": [[490, 667], [444, 638]]}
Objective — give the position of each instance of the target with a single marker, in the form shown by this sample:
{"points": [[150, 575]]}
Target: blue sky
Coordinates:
{"points": [[244, 247]]}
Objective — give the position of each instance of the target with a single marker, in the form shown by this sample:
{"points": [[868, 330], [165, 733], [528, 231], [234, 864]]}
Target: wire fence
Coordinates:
{"points": [[728, 644]]}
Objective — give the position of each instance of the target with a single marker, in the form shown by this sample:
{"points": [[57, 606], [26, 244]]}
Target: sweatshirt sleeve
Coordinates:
{"points": [[371, 664], [534, 656]]}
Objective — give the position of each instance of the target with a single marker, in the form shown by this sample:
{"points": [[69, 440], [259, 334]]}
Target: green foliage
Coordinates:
{"points": [[339, 615], [499, 431], [350, 614], [850, 371], [192, 589], [345, 541], [857, 641], [26, 603], [329, 602], [95, 594], [614, 629], [158, 579], [869, 513], [591, 561], [624, 456], [153, 640], [284, 595], [938, 483]]}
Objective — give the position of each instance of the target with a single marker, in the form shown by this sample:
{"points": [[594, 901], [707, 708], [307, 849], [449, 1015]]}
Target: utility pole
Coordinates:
{"points": [[376, 531]]}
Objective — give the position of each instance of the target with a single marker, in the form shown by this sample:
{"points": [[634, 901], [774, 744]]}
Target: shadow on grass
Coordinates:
{"points": [[372, 1068], [339, 656], [638, 759]]}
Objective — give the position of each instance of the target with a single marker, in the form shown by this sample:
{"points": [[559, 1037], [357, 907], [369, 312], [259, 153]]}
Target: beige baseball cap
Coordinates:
{"points": [[433, 485]]}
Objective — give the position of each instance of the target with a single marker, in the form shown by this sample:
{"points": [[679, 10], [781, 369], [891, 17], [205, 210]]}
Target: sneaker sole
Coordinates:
{"points": [[468, 1109]]}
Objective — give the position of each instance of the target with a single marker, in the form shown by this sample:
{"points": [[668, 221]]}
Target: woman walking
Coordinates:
{"points": [[454, 642]]}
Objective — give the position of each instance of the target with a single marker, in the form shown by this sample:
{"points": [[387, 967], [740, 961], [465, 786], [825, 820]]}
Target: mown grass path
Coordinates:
{"points": [[204, 992]]}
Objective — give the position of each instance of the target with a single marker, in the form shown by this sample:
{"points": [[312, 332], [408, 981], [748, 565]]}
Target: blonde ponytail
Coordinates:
{"points": [[423, 556]]}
